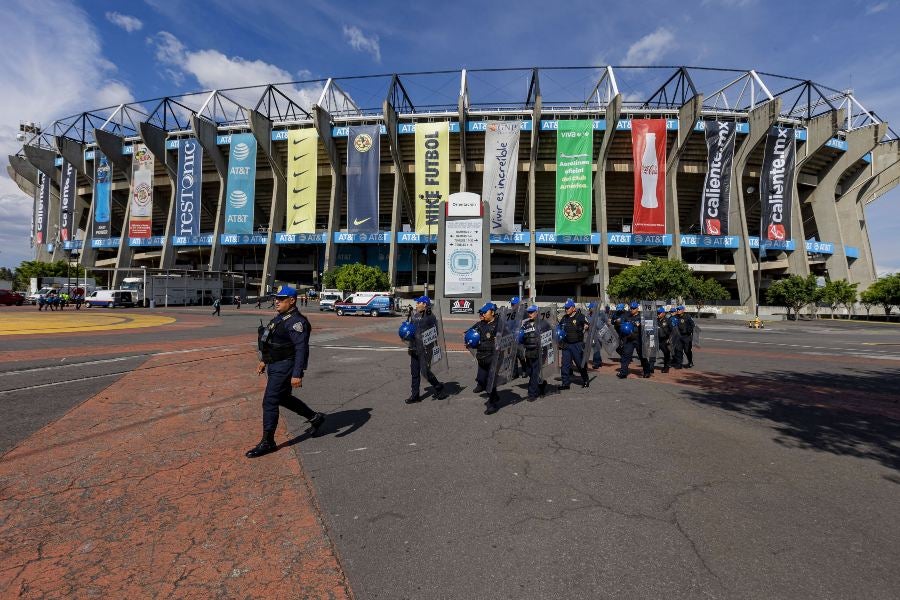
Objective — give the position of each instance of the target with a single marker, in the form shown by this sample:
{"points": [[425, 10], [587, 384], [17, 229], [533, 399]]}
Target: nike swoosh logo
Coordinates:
{"points": [[299, 173], [298, 141], [361, 221], [300, 221], [300, 156], [301, 206], [298, 190]]}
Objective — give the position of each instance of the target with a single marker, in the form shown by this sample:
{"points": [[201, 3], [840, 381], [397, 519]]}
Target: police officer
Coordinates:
{"points": [[530, 340], [426, 320], [684, 332], [664, 333], [284, 354], [484, 355], [572, 327], [628, 326]]}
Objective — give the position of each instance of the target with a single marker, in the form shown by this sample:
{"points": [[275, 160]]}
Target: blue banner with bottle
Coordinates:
{"points": [[239, 192], [102, 178]]}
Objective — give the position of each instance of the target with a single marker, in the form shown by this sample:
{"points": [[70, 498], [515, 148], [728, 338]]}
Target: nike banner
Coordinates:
{"points": [[102, 191], [302, 179], [776, 185], [501, 160], [648, 149], [67, 188], [363, 162], [432, 174], [241, 187], [40, 211], [574, 181], [717, 184], [140, 217], [190, 183]]}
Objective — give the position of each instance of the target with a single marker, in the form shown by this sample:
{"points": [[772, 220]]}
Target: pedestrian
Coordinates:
{"points": [[482, 337], [283, 356], [530, 341], [683, 340], [237, 301], [664, 333], [571, 340], [425, 320], [259, 302], [217, 307]]}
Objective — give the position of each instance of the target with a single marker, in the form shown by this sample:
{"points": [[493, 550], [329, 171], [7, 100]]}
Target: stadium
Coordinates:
{"points": [[153, 184]]}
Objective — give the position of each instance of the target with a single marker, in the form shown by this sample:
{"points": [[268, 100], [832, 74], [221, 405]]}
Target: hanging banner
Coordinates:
{"points": [[501, 161], [42, 203], [432, 174], [648, 149], [190, 183], [140, 216], [776, 185], [363, 163], [302, 179], [67, 188], [574, 179], [462, 249], [241, 187], [102, 191], [717, 184]]}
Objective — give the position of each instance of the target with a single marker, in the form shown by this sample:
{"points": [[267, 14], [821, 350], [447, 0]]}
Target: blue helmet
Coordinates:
{"points": [[634, 304], [514, 301], [679, 307], [532, 309], [487, 306], [424, 299], [560, 332], [521, 337], [661, 310], [407, 331], [620, 306], [569, 304], [626, 328], [592, 305], [472, 338], [673, 321]]}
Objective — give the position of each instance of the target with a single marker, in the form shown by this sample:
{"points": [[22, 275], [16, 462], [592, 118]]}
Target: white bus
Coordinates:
{"points": [[174, 289]]}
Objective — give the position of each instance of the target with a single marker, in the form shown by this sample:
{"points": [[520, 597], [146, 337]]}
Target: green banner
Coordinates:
{"points": [[574, 181]]}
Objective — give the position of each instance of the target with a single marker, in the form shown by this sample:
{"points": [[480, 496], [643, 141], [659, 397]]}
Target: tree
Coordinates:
{"points": [[706, 290], [6, 274], [839, 292], [793, 293], [35, 268], [654, 278], [868, 298], [885, 291], [356, 278]]}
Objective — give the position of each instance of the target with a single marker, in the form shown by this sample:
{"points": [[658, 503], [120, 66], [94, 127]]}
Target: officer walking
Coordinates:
{"points": [[630, 333], [486, 330], [684, 332], [217, 307], [664, 333], [571, 341], [426, 321], [530, 339], [284, 355]]}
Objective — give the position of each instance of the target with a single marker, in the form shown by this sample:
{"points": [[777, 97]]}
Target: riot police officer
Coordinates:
{"points": [[283, 355], [664, 333], [426, 320], [684, 332], [631, 340], [484, 355], [519, 366], [530, 340], [571, 341]]}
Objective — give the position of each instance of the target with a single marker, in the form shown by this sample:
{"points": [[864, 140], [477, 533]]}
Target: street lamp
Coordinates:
{"points": [[144, 287]]}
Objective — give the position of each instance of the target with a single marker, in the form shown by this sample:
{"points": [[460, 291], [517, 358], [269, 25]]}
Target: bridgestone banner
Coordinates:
{"points": [[241, 188], [501, 161], [140, 217], [42, 206], [190, 184], [648, 149], [432, 174], [363, 163], [102, 191], [717, 184], [462, 249], [574, 179], [776, 185], [67, 188], [302, 179]]}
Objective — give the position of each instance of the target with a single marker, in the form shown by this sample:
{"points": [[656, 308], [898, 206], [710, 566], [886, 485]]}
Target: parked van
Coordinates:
{"points": [[328, 297], [111, 298], [366, 303]]}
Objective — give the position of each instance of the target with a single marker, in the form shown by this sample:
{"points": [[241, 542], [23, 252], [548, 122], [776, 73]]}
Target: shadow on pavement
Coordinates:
{"points": [[340, 423]]}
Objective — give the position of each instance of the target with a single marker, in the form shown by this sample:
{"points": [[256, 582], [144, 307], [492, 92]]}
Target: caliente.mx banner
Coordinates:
{"points": [[776, 185], [648, 149], [574, 181], [432, 174], [67, 187], [714, 200], [190, 184], [363, 162], [140, 217], [302, 179], [501, 160], [102, 191], [239, 193], [42, 205]]}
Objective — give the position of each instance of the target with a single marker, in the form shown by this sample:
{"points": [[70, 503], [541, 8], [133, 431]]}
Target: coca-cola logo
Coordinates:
{"points": [[775, 232], [650, 169], [713, 227]]}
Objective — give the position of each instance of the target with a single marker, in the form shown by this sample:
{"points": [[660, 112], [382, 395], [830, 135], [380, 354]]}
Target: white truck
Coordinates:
{"points": [[175, 289], [112, 299]]}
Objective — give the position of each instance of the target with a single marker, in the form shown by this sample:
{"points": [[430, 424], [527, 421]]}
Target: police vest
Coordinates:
{"points": [[574, 328], [270, 349]]}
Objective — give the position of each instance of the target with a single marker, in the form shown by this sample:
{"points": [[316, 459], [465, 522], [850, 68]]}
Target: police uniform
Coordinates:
{"points": [[531, 344], [683, 340], [484, 355], [572, 344], [426, 321], [664, 333]]}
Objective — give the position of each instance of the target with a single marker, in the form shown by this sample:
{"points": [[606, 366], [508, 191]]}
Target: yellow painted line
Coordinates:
{"points": [[75, 322]]}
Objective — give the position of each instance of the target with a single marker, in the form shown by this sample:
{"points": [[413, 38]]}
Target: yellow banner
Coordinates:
{"points": [[432, 174], [302, 177]]}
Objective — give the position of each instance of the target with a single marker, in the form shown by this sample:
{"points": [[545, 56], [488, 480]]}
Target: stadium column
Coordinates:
{"points": [[613, 112], [760, 120], [44, 160], [687, 117], [823, 198], [155, 139], [261, 126], [28, 174], [206, 132], [401, 194], [322, 121], [111, 146], [73, 152], [532, 188]]}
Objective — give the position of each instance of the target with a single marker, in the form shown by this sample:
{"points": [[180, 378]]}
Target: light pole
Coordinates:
{"points": [[144, 287]]}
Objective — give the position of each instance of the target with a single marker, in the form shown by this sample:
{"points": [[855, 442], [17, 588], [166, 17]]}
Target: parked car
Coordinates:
{"points": [[366, 303], [9, 297]]}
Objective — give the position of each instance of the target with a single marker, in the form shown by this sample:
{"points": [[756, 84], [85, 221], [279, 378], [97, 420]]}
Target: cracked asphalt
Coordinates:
{"points": [[771, 470]]}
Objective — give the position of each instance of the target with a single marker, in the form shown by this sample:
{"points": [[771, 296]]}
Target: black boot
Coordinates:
{"points": [[585, 380], [622, 374], [478, 389], [315, 423], [265, 446], [542, 386], [493, 402], [413, 399]]}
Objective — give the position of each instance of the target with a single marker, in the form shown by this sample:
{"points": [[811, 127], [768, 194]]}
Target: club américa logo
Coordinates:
{"points": [[362, 142], [573, 210]]}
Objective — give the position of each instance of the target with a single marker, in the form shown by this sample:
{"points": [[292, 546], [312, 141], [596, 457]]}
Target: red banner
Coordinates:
{"points": [[648, 149]]}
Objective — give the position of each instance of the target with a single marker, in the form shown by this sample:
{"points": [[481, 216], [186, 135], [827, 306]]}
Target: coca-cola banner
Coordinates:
{"points": [[648, 148], [67, 189], [776, 185], [717, 184], [574, 183], [140, 219], [42, 197], [501, 159]]}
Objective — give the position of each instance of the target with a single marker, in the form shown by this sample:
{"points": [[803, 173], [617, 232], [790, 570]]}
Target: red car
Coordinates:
{"points": [[9, 298]]}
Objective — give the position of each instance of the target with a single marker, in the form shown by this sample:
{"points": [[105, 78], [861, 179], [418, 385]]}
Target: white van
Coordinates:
{"points": [[328, 297], [111, 298]]}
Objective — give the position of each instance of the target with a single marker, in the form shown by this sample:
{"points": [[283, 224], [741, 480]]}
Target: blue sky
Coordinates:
{"points": [[61, 57]]}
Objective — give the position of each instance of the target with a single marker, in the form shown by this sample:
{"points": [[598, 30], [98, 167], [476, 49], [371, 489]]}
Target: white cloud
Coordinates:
{"points": [[650, 48], [126, 22], [358, 41], [59, 70], [876, 8]]}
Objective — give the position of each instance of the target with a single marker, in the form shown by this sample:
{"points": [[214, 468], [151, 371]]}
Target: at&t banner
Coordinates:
{"points": [[102, 191], [717, 184], [241, 184], [574, 181], [67, 187], [432, 174], [776, 185], [302, 179], [363, 162], [648, 149], [41, 207], [501, 160], [190, 183], [140, 218]]}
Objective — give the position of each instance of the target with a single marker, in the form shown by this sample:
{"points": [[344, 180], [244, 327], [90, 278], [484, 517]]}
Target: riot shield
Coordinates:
{"points": [[695, 336], [606, 335], [649, 341], [547, 321], [506, 346], [430, 342]]}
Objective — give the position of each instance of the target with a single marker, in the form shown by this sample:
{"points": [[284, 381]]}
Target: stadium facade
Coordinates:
{"points": [[284, 181]]}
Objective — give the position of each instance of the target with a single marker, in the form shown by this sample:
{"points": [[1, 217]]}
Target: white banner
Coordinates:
{"points": [[501, 161], [141, 215], [462, 249]]}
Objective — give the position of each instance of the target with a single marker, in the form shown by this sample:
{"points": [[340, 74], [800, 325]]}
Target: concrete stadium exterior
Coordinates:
{"points": [[846, 157]]}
